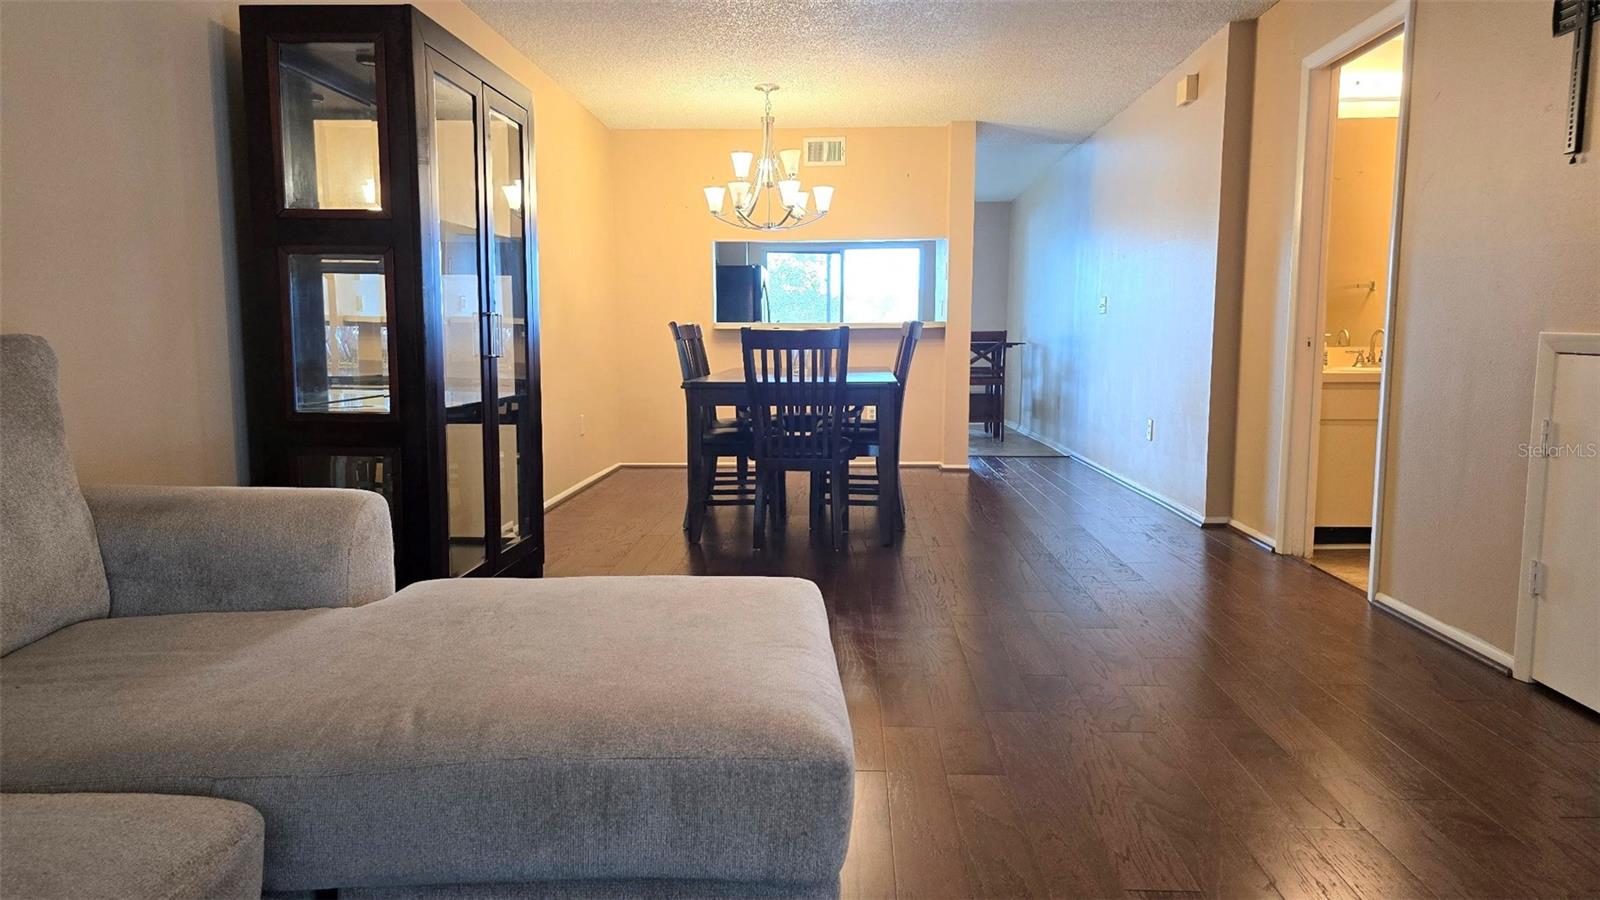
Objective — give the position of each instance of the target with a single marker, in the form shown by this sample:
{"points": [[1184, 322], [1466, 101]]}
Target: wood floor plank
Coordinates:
{"points": [[1363, 863], [1296, 867], [1126, 803], [1001, 860], [969, 751], [994, 673], [1054, 808], [868, 872], [929, 856], [1295, 790]]}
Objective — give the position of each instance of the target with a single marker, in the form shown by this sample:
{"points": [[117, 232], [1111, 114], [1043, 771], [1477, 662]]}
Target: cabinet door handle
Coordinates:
{"points": [[497, 338]]}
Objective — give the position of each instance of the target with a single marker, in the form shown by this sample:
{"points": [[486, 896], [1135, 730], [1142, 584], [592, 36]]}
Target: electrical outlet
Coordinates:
{"points": [[1105, 304], [1149, 429], [581, 425]]}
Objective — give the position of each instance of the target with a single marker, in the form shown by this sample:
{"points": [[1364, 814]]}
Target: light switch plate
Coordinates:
{"points": [[1105, 304], [1149, 429]]}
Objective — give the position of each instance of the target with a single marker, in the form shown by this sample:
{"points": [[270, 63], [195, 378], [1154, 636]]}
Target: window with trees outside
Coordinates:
{"points": [[843, 282]]}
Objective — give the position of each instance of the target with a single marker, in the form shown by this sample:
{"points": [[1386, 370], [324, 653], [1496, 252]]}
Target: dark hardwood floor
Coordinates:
{"points": [[1060, 689]]}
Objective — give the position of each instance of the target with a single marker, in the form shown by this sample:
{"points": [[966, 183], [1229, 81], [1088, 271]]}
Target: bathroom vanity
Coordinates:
{"points": [[1347, 445]]}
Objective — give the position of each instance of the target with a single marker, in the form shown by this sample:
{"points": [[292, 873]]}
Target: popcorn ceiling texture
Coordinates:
{"points": [[1062, 68]]}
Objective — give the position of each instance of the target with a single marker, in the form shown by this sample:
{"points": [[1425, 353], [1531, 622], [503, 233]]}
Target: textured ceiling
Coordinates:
{"points": [[1063, 67]]}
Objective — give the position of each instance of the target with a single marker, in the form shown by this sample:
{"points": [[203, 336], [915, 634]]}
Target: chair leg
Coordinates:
{"points": [[742, 465], [706, 480], [841, 504], [758, 521], [781, 498], [819, 494]]}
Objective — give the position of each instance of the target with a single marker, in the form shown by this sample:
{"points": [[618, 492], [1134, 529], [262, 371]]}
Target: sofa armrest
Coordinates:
{"points": [[235, 549]]}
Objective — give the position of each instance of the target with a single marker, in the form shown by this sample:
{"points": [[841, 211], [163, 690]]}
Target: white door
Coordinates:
{"points": [[1566, 637]]}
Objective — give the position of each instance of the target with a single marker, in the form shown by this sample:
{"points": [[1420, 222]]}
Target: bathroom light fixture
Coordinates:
{"points": [[758, 178]]}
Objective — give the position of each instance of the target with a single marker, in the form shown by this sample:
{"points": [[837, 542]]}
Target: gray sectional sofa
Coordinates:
{"points": [[582, 737], [116, 846]]}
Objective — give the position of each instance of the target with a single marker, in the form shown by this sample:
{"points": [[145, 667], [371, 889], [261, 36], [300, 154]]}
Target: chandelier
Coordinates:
{"points": [[775, 173]]}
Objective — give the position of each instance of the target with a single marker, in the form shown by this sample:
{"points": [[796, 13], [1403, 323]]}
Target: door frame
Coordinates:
{"points": [[1551, 344], [1297, 461]]}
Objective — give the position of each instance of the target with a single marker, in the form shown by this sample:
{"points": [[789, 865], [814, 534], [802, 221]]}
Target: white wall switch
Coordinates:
{"points": [[1105, 304], [1149, 429]]}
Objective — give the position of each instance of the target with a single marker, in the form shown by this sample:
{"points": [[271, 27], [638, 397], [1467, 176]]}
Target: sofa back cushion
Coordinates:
{"points": [[51, 574]]}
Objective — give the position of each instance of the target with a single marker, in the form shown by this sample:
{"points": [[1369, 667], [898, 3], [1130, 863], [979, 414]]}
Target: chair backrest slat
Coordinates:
{"points": [[796, 382], [691, 346], [910, 335]]}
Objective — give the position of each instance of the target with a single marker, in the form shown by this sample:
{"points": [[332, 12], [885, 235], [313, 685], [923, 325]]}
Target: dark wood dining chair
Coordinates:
{"points": [[724, 437], [865, 434], [986, 401], [796, 382]]}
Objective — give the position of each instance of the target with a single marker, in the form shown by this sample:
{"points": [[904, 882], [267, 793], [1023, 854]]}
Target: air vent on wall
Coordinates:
{"points": [[825, 151]]}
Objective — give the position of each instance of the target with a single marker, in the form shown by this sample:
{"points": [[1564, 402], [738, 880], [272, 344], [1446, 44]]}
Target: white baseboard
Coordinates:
{"points": [[959, 467], [580, 487], [1466, 641], [1027, 432], [1156, 496], [1254, 535]]}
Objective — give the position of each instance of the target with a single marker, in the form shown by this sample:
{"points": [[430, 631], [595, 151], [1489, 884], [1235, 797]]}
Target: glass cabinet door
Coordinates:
{"points": [[339, 327], [456, 203], [329, 129], [508, 258]]}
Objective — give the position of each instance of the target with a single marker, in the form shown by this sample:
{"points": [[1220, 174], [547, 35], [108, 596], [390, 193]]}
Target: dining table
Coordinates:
{"points": [[865, 387]]}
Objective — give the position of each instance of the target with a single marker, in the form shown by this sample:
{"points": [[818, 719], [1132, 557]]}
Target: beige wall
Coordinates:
{"points": [[1500, 240], [1135, 214], [895, 185], [991, 265], [118, 191], [960, 194], [1361, 201], [1285, 35]]}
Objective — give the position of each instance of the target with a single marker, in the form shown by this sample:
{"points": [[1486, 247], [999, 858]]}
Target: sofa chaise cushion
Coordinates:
{"points": [[471, 730], [128, 847], [50, 569]]}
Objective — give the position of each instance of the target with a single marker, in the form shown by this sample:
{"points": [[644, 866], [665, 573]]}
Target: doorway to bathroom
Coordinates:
{"points": [[1349, 212]]}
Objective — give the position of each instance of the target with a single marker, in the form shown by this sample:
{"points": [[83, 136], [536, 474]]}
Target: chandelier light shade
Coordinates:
{"points": [[766, 193]]}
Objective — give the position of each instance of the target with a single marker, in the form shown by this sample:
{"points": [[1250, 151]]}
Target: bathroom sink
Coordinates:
{"points": [[1347, 374]]}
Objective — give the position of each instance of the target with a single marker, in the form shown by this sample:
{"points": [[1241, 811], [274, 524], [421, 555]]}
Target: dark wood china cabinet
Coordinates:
{"points": [[390, 305]]}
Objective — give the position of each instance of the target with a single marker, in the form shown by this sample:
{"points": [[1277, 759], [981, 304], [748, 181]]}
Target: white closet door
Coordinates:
{"points": [[1566, 650]]}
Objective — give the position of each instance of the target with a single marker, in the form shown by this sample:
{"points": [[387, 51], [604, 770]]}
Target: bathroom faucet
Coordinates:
{"points": [[1375, 348]]}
